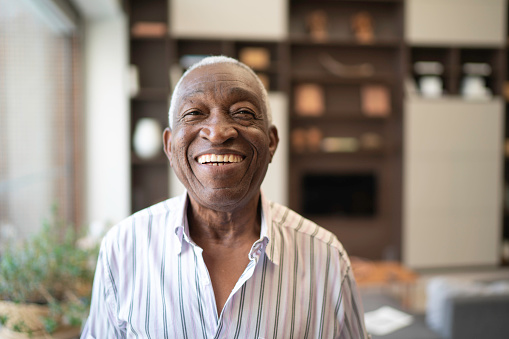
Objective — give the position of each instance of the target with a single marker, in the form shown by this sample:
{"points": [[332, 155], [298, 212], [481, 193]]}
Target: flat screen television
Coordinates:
{"points": [[349, 195]]}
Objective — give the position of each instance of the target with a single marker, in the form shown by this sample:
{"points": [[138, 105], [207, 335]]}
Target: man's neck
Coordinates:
{"points": [[230, 229]]}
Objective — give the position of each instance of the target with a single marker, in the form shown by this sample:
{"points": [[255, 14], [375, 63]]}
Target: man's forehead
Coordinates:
{"points": [[233, 76], [217, 72]]}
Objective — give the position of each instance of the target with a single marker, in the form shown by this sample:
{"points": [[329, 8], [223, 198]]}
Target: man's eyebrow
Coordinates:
{"points": [[246, 94]]}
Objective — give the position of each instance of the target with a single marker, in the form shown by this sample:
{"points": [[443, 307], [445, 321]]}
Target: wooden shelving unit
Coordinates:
{"points": [[294, 61], [149, 178], [343, 117]]}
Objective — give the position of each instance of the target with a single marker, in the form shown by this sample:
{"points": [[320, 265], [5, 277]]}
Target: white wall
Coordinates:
{"points": [[107, 163]]}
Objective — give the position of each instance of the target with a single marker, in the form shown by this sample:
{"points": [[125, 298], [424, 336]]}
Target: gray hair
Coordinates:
{"points": [[211, 60]]}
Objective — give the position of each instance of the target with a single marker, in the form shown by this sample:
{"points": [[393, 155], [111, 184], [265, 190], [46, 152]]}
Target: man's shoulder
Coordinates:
{"points": [[297, 225], [156, 215]]}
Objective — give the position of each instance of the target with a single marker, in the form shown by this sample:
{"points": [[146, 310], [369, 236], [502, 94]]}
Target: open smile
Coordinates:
{"points": [[219, 159]]}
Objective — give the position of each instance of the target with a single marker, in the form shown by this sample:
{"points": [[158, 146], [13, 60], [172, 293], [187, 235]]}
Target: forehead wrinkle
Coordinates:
{"points": [[239, 92]]}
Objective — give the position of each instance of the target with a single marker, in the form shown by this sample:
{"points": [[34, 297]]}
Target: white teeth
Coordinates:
{"points": [[219, 159]]}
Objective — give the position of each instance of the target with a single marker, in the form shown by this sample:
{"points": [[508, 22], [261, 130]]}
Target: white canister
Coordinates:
{"points": [[431, 86], [147, 138]]}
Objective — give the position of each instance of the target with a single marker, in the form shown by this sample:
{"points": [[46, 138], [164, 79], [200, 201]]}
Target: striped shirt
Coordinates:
{"points": [[152, 282]]}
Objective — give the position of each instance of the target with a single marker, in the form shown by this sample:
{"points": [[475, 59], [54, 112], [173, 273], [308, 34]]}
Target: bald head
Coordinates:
{"points": [[212, 60]]}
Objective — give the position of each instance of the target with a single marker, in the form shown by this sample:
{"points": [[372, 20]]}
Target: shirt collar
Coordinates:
{"points": [[273, 234], [181, 227], [267, 231]]}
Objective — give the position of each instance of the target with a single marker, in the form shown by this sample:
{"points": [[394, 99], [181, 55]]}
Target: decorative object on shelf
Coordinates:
{"points": [[309, 100], [316, 23], [473, 85], [362, 26], [340, 144], [147, 138], [306, 139], [335, 67], [145, 29], [134, 81], [428, 68], [299, 140], [257, 58], [506, 90], [375, 100], [477, 68], [371, 141], [314, 139], [431, 86], [264, 78], [430, 82]]}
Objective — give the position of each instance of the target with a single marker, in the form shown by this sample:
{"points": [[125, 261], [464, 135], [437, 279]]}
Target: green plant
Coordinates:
{"points": [[48, 268]]}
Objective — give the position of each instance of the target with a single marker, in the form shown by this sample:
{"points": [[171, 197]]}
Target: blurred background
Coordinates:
{"points": [[391, 115]]}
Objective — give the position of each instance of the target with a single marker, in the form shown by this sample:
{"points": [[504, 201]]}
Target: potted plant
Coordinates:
{"points": [[45, 282]]}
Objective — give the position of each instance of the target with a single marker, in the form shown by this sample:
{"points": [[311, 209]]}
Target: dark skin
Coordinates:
{"points": [[220, 147]]}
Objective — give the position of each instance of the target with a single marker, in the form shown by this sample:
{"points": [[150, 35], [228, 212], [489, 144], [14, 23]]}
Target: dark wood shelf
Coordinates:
{"points": [[152, 94], [305, 40], [308, 76], [159, 160], [338, 117], [326, 155], [135, 38]]}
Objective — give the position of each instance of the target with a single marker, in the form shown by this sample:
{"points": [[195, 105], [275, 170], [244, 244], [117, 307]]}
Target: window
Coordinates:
{"points": [[38, 64]]}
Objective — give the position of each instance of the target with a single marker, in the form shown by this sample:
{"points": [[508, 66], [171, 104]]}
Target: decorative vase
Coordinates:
{"points": [[147, 138]]}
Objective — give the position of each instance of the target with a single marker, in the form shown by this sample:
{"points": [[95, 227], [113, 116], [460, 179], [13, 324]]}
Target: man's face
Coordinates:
{"points": [[221, 142]]}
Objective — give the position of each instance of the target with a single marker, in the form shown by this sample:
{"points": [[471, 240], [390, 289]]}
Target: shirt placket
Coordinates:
{"points": [[254, 256], [207, 291]]}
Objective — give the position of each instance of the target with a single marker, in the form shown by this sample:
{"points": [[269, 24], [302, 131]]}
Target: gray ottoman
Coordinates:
{"points": [[458, 308]]}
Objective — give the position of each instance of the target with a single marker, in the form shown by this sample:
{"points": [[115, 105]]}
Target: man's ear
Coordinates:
{"points": [[273, 141], [167, 143]]}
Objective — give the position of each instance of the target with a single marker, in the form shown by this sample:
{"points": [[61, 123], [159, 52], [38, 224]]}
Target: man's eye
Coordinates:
{"points": [[191, 114], [244, 114]]}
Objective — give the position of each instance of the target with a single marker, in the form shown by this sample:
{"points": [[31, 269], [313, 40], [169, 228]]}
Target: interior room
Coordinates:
{"points": [[391, 115]]}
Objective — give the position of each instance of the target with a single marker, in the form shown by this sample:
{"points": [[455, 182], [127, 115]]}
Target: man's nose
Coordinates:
{"points": [[219, 128]]}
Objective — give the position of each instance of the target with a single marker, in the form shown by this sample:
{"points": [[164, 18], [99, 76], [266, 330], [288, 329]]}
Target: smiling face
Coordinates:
{"points": [[221, 142]]}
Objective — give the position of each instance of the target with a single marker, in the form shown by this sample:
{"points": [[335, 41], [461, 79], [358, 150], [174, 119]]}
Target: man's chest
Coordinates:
{"points": [[177, 300]]}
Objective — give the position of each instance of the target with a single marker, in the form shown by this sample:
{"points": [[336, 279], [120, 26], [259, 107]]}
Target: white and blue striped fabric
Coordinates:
{"points": [[151, 282]]}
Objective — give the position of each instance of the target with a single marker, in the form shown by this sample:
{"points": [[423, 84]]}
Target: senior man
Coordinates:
{"points": [[221, 261]]}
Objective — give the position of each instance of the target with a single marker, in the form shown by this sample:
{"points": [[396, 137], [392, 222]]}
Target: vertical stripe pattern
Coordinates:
{"points": [[151, 282]]}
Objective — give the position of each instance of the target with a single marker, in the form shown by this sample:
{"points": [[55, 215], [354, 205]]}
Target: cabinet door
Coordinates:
{"points": [[456, 22], [237, 19], [452, 182]]}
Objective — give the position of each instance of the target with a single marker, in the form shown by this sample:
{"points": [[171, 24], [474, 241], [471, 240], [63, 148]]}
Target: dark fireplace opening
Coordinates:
{"points": [[349, 195]]}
